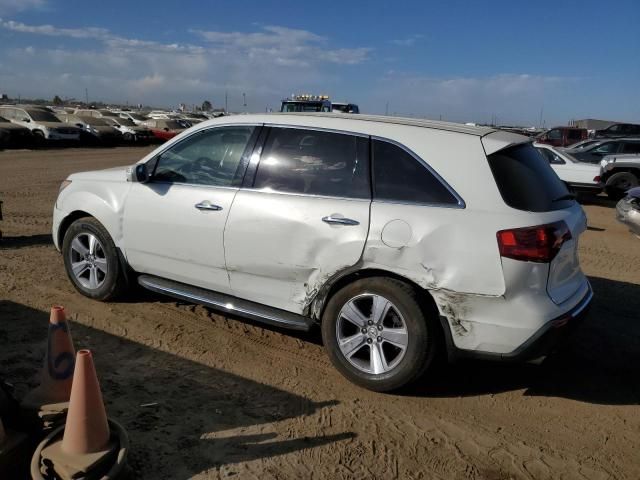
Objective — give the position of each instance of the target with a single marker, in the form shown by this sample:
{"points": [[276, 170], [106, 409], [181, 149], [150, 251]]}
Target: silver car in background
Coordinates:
{"points": [[628, 210]]}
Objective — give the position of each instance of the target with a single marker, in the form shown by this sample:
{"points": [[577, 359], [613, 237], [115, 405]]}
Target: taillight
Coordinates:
{"points": [[596, 179], [533, 244]]}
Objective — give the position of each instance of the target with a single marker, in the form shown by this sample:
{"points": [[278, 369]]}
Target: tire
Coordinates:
{"points": [[103, 277], [619, 183], [128, 138], [404, 315], [39, 138]]}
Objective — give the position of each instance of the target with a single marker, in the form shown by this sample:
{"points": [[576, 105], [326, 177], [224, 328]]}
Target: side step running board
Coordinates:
{"points": [[226, 303]]}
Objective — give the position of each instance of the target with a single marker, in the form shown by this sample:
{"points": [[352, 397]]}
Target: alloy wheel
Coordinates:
{"points": [[88, 260], [371, 333]]}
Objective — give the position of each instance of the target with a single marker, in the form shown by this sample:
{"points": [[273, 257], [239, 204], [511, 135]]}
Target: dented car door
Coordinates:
{"points": [[301, 217]]}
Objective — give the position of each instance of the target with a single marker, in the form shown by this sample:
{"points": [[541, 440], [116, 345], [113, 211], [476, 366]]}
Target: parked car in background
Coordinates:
{"points": [[129, 130], [164, 129], [13, 135], [579, 177], [596, 152], [400, 237], [562, 136], [43, 124], [95, 130], [581, 144], [620, 173], [618, 130], [628, 210], [136, 118], [344, 107]]}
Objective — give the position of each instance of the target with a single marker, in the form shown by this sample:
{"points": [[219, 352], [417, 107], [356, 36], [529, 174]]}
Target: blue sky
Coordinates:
{"points": [[456, 60]]}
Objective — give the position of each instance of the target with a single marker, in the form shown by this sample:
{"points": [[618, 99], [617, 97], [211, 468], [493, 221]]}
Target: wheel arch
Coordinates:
{"points": [[66, 223], [427, 302]]}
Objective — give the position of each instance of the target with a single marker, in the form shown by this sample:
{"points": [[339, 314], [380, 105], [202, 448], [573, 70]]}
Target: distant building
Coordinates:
{"points": [[592, 123]]}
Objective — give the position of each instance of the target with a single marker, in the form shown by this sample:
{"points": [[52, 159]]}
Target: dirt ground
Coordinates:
{"points": [[232, 398]]}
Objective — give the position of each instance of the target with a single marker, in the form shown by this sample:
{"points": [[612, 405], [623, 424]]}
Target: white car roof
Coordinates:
{"points": [[492, 139]]}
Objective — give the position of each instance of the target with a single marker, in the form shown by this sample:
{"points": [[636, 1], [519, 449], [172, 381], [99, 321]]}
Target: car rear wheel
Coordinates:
{"points": [[91, 260], [619, 183], [377, 335]]}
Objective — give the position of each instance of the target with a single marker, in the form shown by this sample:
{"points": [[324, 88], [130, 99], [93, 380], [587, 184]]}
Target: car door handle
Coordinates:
{"points": [[339, 220], [207, 205]]}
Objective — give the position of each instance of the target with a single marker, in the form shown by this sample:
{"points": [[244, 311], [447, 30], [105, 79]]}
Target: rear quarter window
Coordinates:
{"points": [[526, 181]]}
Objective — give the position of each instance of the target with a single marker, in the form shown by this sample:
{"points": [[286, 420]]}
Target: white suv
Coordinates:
{"points": [[401, 238]]}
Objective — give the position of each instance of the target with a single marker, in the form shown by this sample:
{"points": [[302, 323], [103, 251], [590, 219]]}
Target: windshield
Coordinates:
{"points": [[340, 107], [42, 116], [4, 120]]}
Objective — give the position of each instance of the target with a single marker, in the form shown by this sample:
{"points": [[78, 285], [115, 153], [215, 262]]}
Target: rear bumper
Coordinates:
{"points": [[540, 344]]}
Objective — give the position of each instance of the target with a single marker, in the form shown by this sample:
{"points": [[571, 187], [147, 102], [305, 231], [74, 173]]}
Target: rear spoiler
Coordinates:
{"points": [[499, 140]]}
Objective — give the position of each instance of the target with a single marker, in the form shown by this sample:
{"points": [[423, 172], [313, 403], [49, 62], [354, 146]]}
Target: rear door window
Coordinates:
{"points": [[400, 177], [606, 148], [631, 147], [314, 162], [526, 181]]}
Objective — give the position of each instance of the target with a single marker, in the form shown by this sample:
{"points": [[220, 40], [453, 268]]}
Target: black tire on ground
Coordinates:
{"points": [[619, 183], [39, 138], [422, 338], [128, 138], [114, 283]]}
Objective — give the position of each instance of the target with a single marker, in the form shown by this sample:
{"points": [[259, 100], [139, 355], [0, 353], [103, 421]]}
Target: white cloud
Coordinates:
{"points": [[408, 41], [284, 46], [266, 64], [50, 30], [513, 98], [13, 6]]}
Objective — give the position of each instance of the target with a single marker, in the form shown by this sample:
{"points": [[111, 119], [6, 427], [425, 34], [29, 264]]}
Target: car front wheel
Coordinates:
{"points": [[91, 260], [377, 335], [619, 183]]}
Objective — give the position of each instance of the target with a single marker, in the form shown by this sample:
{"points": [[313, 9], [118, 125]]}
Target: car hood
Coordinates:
{"points": [[116, 174]]}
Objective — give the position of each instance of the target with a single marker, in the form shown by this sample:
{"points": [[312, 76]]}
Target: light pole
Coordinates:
{"points": [[244, 101]]}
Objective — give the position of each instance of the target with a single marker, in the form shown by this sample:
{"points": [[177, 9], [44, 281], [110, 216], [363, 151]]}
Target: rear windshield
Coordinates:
{"points": [[526, 181]]}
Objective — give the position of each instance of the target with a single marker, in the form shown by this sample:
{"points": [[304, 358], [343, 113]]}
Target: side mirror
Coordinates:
{"points": [[28, 120], [166, 129], [140, 173]]}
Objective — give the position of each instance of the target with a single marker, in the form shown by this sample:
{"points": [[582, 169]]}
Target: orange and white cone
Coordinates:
{"points": [[57, 373], [86, 443]]}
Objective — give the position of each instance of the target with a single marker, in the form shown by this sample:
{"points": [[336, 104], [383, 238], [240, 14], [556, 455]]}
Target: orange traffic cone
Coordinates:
{"points": [[86, 443], [87, 430], [57, 373]]}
